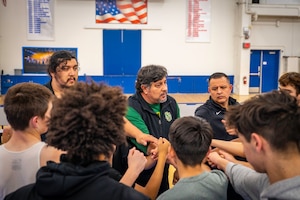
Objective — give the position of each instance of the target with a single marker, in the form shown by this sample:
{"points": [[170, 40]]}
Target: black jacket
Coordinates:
{"points": [[214, 113], [66, 181], [158, 126], [49, 86]]}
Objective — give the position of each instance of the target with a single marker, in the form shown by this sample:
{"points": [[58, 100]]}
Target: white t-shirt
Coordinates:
{"points": [[19, 168]]}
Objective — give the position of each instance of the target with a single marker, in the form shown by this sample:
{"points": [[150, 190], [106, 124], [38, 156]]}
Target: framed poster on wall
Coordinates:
{"points": [[40, 23], [198, 21], [35, 59]]}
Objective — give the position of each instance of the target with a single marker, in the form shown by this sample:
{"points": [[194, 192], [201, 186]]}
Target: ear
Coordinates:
{"points": [[208, 89], [172, 152], [205, 158], [52, 74], [230, 86], [34, 121], [257, 142], [172, 157], [144, 88], [208, 152]]}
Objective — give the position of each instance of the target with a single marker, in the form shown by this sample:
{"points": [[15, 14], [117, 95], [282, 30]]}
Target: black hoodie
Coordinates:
{"points": [[68, 181]]}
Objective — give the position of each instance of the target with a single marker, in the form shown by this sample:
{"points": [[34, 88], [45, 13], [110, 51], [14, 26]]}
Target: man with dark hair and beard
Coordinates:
{"points": [[63, 69], [153, 111]]}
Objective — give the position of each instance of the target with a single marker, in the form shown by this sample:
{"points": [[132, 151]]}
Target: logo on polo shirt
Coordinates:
{"points": [[168, 116]]}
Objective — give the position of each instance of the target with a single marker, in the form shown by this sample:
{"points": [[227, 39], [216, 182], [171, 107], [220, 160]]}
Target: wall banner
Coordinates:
{"points": [[40, 23], [198, 21]]}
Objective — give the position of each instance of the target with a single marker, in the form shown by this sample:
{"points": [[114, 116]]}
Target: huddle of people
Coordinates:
{"points": [[76, 140]]}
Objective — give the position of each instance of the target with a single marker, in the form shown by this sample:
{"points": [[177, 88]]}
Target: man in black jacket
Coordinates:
{"points": [[215, 107], [153, 111], [214, 110]]}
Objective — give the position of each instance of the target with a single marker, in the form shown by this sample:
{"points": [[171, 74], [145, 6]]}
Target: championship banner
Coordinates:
{"points": [[40, 20], [198, 21]]}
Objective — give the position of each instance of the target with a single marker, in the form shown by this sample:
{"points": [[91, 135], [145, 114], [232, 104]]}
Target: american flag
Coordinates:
{"points": [[121, 11]]}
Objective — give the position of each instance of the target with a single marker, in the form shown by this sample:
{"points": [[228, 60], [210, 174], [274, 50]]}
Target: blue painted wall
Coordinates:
{"points": [[176, 84]]}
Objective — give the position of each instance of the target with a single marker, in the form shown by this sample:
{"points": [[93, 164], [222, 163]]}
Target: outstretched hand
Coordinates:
{"points": [[230, 131], [144, 139]]}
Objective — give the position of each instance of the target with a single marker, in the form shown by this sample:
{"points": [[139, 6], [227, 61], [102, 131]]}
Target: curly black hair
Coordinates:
{"points": [[57, 58], [87, 121]]}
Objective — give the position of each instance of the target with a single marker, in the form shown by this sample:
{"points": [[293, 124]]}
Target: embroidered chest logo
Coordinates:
{"points": [[217, 113], [168, 116]]}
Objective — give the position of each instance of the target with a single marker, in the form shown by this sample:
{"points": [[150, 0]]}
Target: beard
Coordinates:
{"points": [[163, 100]]}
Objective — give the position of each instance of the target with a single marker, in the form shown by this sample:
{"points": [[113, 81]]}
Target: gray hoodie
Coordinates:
{"points": [[253, 185]]}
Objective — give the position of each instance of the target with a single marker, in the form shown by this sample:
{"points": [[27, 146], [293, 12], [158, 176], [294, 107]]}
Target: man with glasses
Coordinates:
{"points": [[63, 70], [153, 111]]}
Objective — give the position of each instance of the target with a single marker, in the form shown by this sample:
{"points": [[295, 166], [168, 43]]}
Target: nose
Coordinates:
{"points": [[165, 87], [72, 71]]}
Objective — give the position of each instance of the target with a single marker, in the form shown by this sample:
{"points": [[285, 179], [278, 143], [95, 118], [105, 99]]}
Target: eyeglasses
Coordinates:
{"points": [[67, 68]]}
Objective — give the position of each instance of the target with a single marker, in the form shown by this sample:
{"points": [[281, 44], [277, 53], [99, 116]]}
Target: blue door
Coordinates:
{"points": [[264, 69], [121, 52]]}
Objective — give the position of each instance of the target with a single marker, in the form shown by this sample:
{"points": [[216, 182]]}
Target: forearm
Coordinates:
{"points": [[131, 130], [150, 162], [129, 177], [235, 148], [246, 164], [153, 185]]}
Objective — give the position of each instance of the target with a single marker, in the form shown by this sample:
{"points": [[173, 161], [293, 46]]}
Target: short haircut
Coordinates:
{"points": [[191, 137], [57, 58], [274, 115], [218, 75], [149, 74], [24, 101], [88, 120], [292, 79]]}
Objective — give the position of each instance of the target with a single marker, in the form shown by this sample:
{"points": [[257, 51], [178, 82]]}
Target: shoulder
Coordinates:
{"points": [[171, 102], [170, 98], [233, 101], [134, 97], [203, 110], [128, 193], [135, 101], [166, 195], [50, 153], [26, 192], [218, 174], [48, 85]]}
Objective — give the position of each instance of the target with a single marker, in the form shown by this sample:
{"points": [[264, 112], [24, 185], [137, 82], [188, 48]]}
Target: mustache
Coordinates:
{"points": [[71, 79]]}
